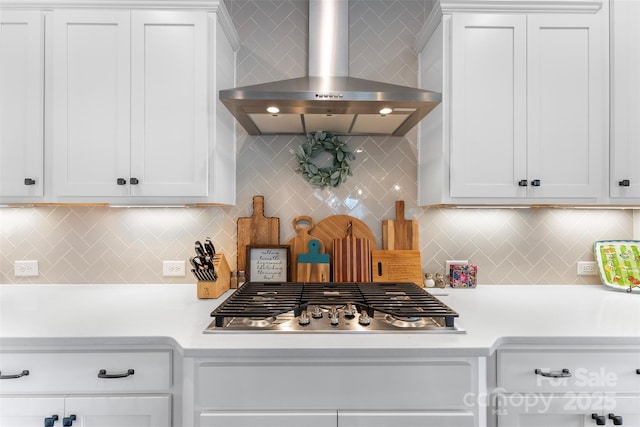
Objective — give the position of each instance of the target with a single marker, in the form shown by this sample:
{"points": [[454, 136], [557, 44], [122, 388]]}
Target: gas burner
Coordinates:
{"points": [[257, 322], [407, 322]]}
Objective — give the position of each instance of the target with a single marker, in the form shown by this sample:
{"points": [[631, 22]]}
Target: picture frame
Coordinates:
{"points": [[268, 263]]}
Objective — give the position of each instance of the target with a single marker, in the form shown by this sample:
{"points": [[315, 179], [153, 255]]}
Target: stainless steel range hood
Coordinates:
{"points": [[328, 99]]}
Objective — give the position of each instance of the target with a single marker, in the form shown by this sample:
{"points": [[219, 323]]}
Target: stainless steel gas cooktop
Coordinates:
{"points": [[333, 307]]}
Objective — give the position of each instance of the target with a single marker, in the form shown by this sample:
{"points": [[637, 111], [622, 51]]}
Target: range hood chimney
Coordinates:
{"points": [[328, 99]]}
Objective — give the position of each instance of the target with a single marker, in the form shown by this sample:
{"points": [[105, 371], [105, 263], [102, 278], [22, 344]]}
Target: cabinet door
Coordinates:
{"points": [[268, 419], [91, 102], [546, 410], [30, 411], [169, 146], [21, 103], [121, 411], [488, 106], [566, 138], [625, 99], [625, 407], [405, 419]]}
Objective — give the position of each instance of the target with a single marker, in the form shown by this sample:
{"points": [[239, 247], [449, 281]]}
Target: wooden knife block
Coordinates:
{"points": [[215, 289]]}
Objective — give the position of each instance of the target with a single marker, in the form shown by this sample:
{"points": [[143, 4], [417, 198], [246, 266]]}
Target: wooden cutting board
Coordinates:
{"points": [[335, 227], [351, 259], [299, 244], [396, 266], [256, 230], [400, 233], [313, 266]]}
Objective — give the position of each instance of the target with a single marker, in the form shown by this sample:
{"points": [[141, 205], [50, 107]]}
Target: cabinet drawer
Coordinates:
{"points": [[315, 384], [62, 372], [583, 370]]}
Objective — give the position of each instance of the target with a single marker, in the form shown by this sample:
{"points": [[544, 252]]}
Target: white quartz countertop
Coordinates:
{"points": [[492, 315]]}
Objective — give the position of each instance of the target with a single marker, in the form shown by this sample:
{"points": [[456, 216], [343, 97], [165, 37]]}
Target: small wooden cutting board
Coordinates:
{"points": [[299, 244], [313, 266], [256, 230], [400, 233]]}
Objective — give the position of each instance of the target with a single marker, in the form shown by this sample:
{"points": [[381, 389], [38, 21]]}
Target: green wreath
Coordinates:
{"points": [[325, 176]]}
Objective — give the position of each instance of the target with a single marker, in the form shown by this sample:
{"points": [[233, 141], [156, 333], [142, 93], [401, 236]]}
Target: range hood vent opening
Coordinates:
{"points": [[328, 98]]}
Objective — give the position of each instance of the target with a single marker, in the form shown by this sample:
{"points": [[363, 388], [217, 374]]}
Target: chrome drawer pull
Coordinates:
{"points": [[103, 374], [565, 373], [14, 376]]}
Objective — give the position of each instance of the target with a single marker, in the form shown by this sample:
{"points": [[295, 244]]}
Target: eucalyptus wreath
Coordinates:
{"points": [[322, 177]]}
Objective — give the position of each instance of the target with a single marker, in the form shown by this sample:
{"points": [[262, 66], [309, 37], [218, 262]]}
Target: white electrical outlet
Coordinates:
{"points": [[173, 268], [587, 268], [447, 265], [25, 268]]}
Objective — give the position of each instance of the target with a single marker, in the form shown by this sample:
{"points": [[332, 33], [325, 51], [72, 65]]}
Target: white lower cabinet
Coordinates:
{"points": [[86, 388], [268, 419], [569, 410], [567, 387], [337, 419], [86, 411], [333, 391]]}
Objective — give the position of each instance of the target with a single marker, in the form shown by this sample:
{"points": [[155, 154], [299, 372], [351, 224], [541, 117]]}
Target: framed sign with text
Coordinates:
{"points": [[268, 263]]}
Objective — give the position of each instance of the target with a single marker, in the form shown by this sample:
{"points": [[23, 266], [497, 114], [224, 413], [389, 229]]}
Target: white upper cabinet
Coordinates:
{"points": [[21, 105], [107, 102], [130, 103], [91, 103], [488, 105], [625, 101], [169, 139], [524, 113]]}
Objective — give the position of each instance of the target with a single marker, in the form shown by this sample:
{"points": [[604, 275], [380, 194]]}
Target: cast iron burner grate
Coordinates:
{"points": [[404, 301]]}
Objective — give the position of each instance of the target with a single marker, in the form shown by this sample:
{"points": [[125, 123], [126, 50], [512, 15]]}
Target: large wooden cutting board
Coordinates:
{"points": [[400, 233], [256, 230], [335, 227], [299, 244]]}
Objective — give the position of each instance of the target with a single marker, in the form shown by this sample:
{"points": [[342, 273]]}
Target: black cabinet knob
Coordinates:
{"points": [[121, 181], [624, 183], [50, 421], [535, 183], [600, 419], [68, 421], [523, 183], [617, 419], [134, 181], [29, 181]]}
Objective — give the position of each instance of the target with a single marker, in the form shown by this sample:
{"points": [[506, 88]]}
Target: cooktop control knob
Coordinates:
{"points": [[364, 319], [333, 311], [334, 318], [349, 311], [304, 319], [316, 313]]}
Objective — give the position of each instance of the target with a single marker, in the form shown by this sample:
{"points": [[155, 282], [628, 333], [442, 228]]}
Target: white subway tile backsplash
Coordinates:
{"points": [[107, 245]]}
